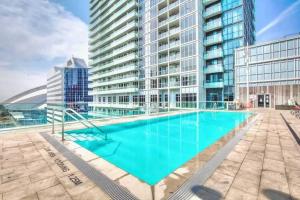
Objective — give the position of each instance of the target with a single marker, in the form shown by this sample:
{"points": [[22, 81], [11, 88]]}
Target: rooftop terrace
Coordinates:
{"points": [[265, 164]]}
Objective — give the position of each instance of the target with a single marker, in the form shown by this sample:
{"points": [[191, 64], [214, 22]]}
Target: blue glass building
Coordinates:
{"points": [[229, 24], [67, 86]]}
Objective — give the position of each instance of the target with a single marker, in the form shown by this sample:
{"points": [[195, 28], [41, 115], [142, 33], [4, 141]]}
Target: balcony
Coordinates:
{"points": [[174, 69], [114, 105], [163, 59], [213, 54], [215, 39], [114, 91], [173, 5], [114, 81], [173, 17], [174, 83], [114, 71], [208, 2], [162, 23], [212, 11], [174, 44], [163, 35], [174, 57], [213, 25], [210, 69], [219, 84], [163, 71], [174, 31], [163, 47], [161, 11]]}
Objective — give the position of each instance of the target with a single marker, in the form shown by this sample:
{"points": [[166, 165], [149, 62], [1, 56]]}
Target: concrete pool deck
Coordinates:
{"points": [[264, 165]]}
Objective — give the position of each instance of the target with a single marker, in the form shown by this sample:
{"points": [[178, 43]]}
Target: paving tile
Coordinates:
{"points": [[293, 175], [24, 192], [229, 168], [78, 187], [274, 155], [295, 191], [138, 188], [56, 192], [274, 165], [252, 177], [93, 194], [255, 155], [63, 168], [235, 194], [5, 187], [272, 147], [274, 181], [108, 169], [245, 185], [86, 155], [252, 166], [236, 156], [44, 184], [41, 174], [219, 182]]}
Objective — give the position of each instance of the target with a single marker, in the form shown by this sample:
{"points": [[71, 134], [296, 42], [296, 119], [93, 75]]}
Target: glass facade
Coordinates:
{"points": [[229, 25], [272, 66], [68, 87]]}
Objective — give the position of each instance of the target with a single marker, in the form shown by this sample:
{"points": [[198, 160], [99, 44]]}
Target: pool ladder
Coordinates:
{"points": [[79, 118]]}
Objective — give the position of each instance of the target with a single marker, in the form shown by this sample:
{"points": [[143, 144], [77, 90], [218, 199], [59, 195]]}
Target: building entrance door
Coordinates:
{"points": [[261, 100], [267, 100], [264, 100]]}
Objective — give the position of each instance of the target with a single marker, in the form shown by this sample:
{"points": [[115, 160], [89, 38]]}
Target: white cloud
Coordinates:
{"points": [[36, 31], [283, 15]]}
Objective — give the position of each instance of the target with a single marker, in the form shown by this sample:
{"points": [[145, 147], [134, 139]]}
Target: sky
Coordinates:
{"points": [[36, 35]]}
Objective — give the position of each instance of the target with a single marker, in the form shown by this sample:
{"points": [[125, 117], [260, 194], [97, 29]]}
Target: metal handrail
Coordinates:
{"points": [[83, 120]]}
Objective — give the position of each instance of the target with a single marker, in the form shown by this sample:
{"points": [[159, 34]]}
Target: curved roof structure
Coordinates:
{"points": [[29, 99]]}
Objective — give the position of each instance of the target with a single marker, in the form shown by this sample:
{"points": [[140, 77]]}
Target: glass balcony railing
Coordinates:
{"points": [[163, 35], [51, 116], [213, 25], [174, 84], [174, 57], [213, 54], [174, 44], [208, 2], [163, 47], [163, 59], [217, 84], [212, 11], [214, 69], [213, 39]]}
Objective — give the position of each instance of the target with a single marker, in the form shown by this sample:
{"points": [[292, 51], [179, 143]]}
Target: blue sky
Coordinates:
{"points": [[266, 12], [39, 34]]}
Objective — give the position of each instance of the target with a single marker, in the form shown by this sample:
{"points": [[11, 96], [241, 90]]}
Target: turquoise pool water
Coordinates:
{"points": [[152, 149]]}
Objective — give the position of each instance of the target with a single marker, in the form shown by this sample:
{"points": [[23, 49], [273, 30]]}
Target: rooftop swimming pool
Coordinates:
{"points": [[152, 149]]}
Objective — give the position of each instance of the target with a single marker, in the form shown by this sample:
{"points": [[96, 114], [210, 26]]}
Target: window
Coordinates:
{"points": [[188, 64], [187, 80], [188, 21], [123, 99]]}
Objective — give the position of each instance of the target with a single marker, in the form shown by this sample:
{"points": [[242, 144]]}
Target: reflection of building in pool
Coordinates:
{"points": [[26, 108], [274, 72], [67, 87]]}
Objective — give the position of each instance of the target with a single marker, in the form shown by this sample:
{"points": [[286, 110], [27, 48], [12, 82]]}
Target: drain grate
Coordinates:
{"points": [[114, 190]]}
